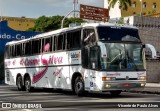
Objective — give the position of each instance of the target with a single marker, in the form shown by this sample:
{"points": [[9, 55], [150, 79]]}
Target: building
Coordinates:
{"points": [[19, 23], [138, 7]]}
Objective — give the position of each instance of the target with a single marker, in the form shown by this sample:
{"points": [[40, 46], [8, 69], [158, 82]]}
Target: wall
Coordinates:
{"points": [[150, 33]]}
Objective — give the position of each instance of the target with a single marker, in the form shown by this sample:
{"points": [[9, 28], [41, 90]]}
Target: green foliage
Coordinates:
{"points": [[152, 11], [123, 4], [120, 21], [45, 24]]}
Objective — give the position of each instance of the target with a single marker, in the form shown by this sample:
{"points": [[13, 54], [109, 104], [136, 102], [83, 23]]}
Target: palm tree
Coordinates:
{"points": [[123, 4]]}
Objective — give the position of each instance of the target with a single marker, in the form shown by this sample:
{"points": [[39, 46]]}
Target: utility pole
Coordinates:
{"points": [[74, 7]]}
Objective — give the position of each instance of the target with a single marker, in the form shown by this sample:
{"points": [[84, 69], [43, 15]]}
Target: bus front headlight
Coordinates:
{"points": [[142, 78]]}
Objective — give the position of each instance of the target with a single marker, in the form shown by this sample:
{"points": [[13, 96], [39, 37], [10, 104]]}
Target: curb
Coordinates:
{"points": [[145, 92]]}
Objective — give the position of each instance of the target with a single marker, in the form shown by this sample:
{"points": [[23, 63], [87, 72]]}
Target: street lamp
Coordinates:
{"points": [[141, 7]]}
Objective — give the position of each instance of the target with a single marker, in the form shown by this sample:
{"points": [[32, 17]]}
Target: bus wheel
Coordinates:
{"points": [[20, 84], [79, 86], [116, 93], [28, 84]]}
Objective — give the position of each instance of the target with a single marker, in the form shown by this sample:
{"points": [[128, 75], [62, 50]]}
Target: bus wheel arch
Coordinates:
{"points": [[78, 84], [19, 82], [27, 83]]}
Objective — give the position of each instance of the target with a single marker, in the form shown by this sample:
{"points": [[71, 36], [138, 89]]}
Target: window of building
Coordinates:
{"points": [[134, 4], [134, 13], [154, 5], [144, 5]]}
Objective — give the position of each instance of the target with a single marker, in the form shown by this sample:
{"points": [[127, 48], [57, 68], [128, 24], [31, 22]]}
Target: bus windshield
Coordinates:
{"points": [[122, 57], [114, 33]]}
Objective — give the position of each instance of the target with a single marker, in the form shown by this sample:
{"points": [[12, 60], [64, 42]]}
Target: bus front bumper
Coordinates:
{"points": [[122, 85]]}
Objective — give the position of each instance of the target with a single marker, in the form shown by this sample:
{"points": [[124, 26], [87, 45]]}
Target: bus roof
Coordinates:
{"points": [[46, 34]]}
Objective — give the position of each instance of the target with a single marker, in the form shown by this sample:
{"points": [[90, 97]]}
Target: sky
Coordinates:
{"points": [[37, 8]]}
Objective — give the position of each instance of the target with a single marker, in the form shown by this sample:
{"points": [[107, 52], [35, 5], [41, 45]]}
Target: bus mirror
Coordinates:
{"points": [[152, 49]]}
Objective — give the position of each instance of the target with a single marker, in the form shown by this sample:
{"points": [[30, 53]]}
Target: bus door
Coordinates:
{"points": [[88, 41], [94, 65], [90, 63]]}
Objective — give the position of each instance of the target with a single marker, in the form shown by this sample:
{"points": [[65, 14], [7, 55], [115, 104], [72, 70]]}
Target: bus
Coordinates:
{"points": [[93, 57]]}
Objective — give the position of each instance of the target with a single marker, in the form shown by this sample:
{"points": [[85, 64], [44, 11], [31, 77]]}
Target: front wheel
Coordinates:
{"points": [[28, 84], [79, 86], [116, 93]]}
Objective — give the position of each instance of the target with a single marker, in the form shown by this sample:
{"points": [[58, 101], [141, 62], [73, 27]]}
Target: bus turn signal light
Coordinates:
{"points": [[108, 78]]}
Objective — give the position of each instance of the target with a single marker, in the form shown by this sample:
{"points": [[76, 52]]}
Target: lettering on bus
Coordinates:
{"points": [[14, 62], [140, 74], [114, 74], [35, 62], [56, 73]]}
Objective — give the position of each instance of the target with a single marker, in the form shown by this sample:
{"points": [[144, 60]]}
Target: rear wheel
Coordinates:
{"points": [[116, 93], [28, 84], [79, 86], [20, 83]]}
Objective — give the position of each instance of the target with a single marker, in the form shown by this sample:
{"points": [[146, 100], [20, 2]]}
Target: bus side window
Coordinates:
{"points": [[7, 51], [27, 48], [94, 57], [48, 42], [88, 37], [13, 51], [68, 40], [85, 60], [18, 50], [74, 39], [36, 46], [55, 43], [60, 42], [10, 50]]}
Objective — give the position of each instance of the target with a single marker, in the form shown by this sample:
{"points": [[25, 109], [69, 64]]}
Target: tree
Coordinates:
{"points": [[123, 4], [45, 24]]}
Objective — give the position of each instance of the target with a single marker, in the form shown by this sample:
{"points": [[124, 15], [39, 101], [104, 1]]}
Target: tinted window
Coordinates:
{"points": [[73, 39], [118, 34]]}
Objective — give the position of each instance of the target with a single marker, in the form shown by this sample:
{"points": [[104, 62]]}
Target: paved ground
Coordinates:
{"points": [[150, 88], [66, 101]]}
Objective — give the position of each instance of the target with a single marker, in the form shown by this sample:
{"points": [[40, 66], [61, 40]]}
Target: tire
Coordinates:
{"points": [[79, 86], [20, 86], [27, 83], [116, 93]]}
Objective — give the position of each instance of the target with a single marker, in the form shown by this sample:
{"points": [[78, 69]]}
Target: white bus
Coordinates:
{"points": [[95, 57]]}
